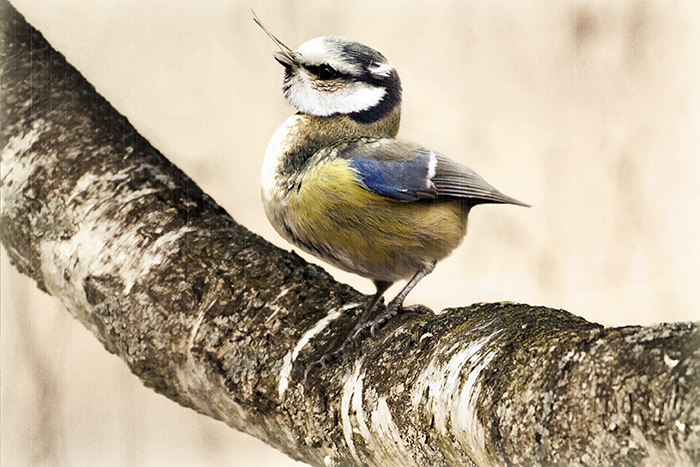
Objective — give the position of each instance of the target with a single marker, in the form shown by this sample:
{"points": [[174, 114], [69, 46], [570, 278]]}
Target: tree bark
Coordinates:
{"points": [[217, 319]]}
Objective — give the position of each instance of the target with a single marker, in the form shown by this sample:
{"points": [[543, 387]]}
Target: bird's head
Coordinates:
{"points": [[333, 75]]}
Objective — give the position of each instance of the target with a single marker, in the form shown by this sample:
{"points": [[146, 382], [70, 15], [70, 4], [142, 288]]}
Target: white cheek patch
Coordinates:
{"points": [[352, 97]]}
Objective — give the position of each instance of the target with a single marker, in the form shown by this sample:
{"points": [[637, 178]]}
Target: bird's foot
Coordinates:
{"points": [[371, 326], [416, 309], [391, 311]]}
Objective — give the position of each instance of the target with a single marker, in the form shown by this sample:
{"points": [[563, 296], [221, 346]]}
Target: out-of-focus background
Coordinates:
{"points": [[589, 110]]}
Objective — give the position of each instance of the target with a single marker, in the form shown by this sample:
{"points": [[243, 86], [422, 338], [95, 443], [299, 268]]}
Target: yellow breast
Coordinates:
{"points": [[368, 234]]}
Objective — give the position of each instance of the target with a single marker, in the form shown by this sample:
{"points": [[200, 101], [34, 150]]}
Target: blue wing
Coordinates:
{"points": [[406, 171], [397, 177]]}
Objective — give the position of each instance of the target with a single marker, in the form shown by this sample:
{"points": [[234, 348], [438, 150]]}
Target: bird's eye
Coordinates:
{"points": [[324, 72]]}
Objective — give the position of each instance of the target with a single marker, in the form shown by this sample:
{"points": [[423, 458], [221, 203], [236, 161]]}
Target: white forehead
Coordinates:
{"points": [[331, 50], [319, 50], [316, 48]]}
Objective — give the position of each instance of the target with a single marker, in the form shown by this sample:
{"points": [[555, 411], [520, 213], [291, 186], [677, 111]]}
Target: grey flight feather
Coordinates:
{"points": [[455, 180]]}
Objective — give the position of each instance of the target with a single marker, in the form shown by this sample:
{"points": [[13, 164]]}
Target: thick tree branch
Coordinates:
{"points": [[215, 318]]}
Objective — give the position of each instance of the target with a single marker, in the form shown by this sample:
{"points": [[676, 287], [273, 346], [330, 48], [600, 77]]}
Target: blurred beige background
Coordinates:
{"points": [[588, 110]]}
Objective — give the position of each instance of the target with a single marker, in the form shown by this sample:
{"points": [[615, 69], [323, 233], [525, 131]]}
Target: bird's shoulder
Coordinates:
{"points": [[407, 171], [394, 168]]}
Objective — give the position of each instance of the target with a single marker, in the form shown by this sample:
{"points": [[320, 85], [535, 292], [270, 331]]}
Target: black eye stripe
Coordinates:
{"points": [[324, 71]]}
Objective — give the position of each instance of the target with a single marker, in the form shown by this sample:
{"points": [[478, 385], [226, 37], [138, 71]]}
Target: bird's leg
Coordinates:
{"points": [[381, 286], [396, 305]]}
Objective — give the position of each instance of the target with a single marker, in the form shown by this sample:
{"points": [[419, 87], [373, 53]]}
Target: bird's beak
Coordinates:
{"points": [[286, 59], [286, 56]]}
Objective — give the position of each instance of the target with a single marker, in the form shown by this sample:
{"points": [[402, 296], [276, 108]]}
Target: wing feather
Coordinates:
{"points": [[407, 171]]}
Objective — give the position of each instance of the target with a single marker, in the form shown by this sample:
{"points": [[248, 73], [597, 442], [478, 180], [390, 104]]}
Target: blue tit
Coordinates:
{"points": [[337, 184]]}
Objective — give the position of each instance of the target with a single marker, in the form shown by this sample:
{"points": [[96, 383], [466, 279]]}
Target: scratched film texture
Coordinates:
{"points": [[588, 110]]}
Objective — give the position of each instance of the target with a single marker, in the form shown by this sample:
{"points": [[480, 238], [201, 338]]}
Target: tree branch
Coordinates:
{"points": [[217, 319]]}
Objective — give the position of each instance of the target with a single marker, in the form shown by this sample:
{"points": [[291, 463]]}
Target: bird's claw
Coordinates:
{"points": [[378, 322], [417, 309]]}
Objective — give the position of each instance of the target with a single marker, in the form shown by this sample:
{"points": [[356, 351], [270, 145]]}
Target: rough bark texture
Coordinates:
{"points": [[215, 318]]}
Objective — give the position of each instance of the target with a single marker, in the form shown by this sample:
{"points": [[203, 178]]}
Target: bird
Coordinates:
{"points": [[338, 184]]}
